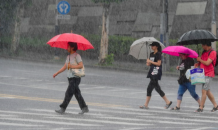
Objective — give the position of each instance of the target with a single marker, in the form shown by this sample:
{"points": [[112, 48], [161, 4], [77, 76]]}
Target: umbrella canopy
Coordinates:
{"points": [[176, 50], [61, 41], [140, 48], [196, 37]]}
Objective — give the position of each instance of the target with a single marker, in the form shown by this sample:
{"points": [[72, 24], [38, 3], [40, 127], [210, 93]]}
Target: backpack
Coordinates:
{"points": [[216, 58]]}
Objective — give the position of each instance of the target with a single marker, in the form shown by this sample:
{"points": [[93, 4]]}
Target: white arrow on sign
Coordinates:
{"points": [[63, 17]]}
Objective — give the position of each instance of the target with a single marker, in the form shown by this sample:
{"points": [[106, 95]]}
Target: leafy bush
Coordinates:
{"points": [[109, 59]]}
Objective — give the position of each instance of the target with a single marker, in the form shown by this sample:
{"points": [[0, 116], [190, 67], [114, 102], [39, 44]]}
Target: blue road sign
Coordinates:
{"points": [[63, 7]]}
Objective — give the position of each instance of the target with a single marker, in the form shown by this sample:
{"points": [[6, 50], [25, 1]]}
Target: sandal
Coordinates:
{"points": [[199, 110], [175, 108], [143, 107], [200, 106], [168, 105], [214, 109]]}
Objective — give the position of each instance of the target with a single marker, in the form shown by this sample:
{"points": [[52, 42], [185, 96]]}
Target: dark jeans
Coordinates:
{"points": [[191, 88], [154, 85], [73, 89]]}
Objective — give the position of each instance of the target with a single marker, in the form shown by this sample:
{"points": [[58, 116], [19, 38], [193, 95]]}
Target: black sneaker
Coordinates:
{"points": [[84, 110], [61, 111], [199, 110]]}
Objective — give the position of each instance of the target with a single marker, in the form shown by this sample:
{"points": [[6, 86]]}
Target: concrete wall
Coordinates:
{"points": [[136, 18]]}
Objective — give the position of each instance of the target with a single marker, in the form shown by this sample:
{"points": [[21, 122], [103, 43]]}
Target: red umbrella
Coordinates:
{"points": [[61, 41]]}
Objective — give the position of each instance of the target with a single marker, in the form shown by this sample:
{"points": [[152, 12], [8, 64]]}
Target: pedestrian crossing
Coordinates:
{"points": [[116, 118]]}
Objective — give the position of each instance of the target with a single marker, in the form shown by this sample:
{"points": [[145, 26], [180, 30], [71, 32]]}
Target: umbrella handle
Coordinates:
{"points": [[68, 62]]}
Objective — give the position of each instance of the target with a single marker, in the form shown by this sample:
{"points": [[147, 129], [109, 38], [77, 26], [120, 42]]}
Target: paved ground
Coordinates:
{"points": [[29, 95]]}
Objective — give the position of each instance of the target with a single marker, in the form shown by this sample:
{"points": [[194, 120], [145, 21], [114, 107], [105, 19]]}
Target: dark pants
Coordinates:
{"points": [[154, 85], [73, 89]]}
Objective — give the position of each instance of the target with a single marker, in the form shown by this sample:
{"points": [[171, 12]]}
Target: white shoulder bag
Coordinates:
{"points": [[79, 72]]}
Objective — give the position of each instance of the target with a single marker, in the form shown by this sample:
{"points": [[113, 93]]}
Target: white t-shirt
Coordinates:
{"points": [[74, 59]]}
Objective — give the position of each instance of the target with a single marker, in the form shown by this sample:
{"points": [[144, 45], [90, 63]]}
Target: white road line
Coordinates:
{"points": [[51, 111], [18, 124], [116, 90], [182, 119], [202, 128], [5, 76], [142, 92], [92, 87], [7, 97], [27, 113], [2, 115], [118, 112], [147, 120], [161, 110], [100, 121], [51, 122]]}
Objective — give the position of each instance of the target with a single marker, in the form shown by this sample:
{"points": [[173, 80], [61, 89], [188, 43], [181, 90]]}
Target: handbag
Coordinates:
{"points": [[79, 72], [197, 76]]}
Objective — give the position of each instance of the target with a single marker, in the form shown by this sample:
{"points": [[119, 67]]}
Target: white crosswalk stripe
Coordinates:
{"points": [[101, 117]]}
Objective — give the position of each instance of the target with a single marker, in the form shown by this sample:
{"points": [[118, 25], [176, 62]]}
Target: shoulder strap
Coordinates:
{"points": [[76, 59], [209, 54], [210, 51]]}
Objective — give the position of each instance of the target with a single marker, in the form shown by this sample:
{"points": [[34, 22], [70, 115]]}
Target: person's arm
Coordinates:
{"points": [[196, 64], [79, 66], [61, 70], [158, 63], [208, 62]]}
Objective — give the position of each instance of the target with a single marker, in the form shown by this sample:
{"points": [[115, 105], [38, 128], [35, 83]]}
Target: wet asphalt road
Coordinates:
{"points": [[29, 95]]}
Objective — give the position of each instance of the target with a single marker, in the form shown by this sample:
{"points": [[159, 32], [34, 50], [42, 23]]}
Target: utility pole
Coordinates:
{"points": [[164, 37], [213, 22], [56, 30]]}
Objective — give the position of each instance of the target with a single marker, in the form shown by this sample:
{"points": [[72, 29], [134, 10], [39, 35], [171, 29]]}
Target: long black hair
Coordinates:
{"points": [[159, 49]]}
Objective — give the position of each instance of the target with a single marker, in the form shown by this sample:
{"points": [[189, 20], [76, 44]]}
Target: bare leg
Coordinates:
{"points": [[211, 97], [147, 100], [199, 101], [203, 98], [179, 103], [165, 99]]}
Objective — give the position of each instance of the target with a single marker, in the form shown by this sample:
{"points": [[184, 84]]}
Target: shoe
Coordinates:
{"points": [[175, 108], [168, 105], [214, 109], [84, 110], [61, 111], [143, 107], [199, 110]]}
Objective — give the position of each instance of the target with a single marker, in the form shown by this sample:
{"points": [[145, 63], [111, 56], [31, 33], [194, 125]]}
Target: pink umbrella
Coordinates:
{"points": [[61, 41], [176, 50]]}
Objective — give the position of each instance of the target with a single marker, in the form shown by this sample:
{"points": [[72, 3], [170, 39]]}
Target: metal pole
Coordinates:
{"points": [[213, 22], [166, 33], [56, 31]]}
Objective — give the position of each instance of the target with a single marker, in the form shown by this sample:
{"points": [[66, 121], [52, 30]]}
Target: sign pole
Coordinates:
{"points": [[56, 57]]}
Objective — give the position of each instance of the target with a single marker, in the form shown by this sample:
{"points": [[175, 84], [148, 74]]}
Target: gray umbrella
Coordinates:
{"points": [[140, 48], [196, 37]]}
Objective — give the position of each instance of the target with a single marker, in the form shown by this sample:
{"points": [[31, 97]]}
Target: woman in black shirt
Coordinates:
{"points": [[155, 74]]}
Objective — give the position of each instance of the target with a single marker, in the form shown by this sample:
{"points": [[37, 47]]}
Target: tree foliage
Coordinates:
{"points": [[8, 12]]}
